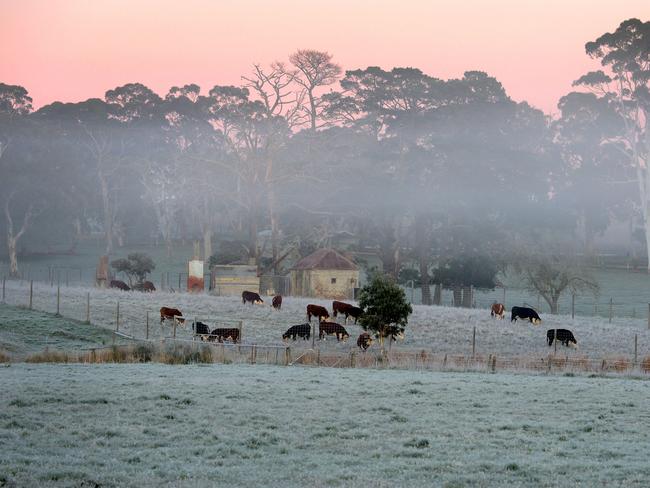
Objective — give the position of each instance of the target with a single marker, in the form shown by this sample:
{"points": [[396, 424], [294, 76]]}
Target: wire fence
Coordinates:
{"points": [[134, 321], [569, 304]]}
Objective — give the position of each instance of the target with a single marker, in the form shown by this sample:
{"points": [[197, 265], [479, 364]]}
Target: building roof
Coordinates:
{"points": [[326, 259]]}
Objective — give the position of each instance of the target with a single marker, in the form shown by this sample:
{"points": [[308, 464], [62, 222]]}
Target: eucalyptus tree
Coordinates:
{"points": [[598, 181], [313, 70], [625, 81], [18, 167]]}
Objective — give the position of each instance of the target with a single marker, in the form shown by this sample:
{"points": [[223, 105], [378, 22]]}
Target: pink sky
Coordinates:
{"points": [[71, 50]]}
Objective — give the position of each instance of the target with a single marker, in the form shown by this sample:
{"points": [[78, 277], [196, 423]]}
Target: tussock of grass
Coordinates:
{"points": [[4, 357], [140, 353]]}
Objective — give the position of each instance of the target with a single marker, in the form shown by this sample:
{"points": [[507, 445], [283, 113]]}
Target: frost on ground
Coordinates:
{"points": [[29, 331], [216, 425], [436, 329]]}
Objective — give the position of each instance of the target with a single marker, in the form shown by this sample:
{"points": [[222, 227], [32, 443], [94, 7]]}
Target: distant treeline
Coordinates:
{"points": [[419, 168]]}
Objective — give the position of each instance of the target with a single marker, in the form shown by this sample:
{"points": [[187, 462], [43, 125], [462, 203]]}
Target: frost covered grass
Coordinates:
{"points": [[439, 330], [236, 425], [24, 332]]}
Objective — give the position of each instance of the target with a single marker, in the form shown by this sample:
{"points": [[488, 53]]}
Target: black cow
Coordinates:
{"points": [[277, 302], [317, 311], [525, 313], [252, 297], [202, 330], [347, 310], [364, 341], [119, 284], [302, 330], [565, 336], [331, 328], [221, 335]]}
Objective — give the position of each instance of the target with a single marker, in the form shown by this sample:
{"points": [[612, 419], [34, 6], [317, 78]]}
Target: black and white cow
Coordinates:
{"points": [[525, 313]]}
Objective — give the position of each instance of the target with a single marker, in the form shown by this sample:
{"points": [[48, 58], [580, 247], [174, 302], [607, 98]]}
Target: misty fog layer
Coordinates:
{"points": [[419, 169]]}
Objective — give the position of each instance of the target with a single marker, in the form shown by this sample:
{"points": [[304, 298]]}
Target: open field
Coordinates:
{"points": [[438, 330], [23, 332], [157, 425]]}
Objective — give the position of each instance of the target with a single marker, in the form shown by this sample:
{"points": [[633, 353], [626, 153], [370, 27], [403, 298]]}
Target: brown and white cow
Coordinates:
{"points": [[347, 310], [331, 328], [276, 303], [167, 313], [364, 341], [498, 310], [317, 311]]}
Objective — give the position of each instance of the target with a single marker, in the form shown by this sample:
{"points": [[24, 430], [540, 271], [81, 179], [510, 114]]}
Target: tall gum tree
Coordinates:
{"points": [[625, 80]]}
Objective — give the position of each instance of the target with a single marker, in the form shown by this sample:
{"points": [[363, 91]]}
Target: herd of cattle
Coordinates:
{"points": [[564, 336], [303, 331], [325, 328]]}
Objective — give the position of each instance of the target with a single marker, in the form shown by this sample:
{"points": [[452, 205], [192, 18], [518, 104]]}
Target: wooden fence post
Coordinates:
{"points": [[117, 316], [241, 328], [287, 356], [162, 281], [494, 364], [174, 327], [352, 359], [4, 282], [147, 327], [31, 293], [573, 305], [313, 333], [611, 304], [58, 300], [87, 308], [473, 343]]}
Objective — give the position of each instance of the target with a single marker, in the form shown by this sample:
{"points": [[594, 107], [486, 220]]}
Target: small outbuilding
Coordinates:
{"points": [[325, 274]]}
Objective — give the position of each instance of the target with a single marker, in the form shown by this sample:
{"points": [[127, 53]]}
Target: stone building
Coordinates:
{"points": [[325, 274]]}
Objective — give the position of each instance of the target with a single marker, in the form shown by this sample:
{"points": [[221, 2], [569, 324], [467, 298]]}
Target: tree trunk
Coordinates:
{"points": [[13, 257], [424, 281], [207, 243], [457, 295], [108, 213], [437, 294], [467, 297]]}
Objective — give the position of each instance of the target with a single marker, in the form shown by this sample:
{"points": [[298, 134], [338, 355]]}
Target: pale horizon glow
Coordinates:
{"points": [[72, 50]]}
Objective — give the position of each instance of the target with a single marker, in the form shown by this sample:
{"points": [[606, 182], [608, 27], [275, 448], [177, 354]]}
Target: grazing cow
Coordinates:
{"points": [[498, 310], [525, 313], [221, 335], [331, 328], [317, 311], [167, 313], [277, 302], [302, 330], [347, 310], [119, 284], [364, 341], [148, 286], [202, 330], [565, 336], [252, 297]]}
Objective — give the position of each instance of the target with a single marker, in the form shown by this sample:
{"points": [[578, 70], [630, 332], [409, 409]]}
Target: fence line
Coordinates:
{"points": [[136, 326]]}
